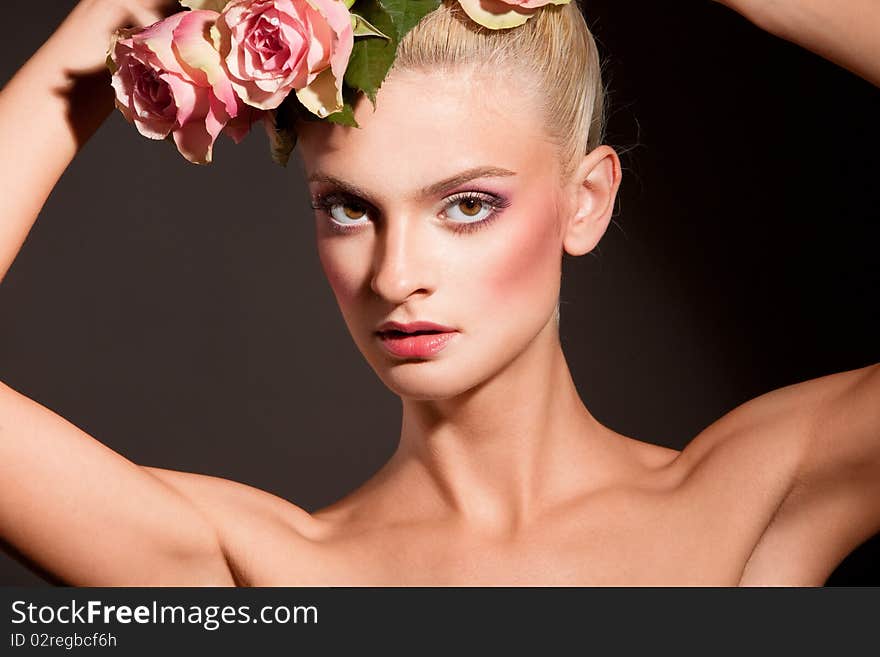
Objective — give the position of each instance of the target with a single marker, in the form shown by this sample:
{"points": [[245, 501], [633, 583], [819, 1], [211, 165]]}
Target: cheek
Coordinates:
{"points": [[342, 268], [524, 270]]}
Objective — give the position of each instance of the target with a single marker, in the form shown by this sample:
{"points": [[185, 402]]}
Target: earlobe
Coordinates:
{"points": [[594, 190]]}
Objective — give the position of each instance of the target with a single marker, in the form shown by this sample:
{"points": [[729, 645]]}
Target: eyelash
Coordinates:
{"points": [[325, 203]]}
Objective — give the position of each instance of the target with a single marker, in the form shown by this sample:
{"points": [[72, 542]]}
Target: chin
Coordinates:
{"points": [[454, 371], [443, 376], [425, 380]]}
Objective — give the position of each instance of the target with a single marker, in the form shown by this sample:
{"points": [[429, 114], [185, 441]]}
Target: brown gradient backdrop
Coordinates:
{"points": [[179, 313]]}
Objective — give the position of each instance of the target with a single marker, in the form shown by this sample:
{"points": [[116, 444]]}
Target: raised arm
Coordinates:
{"points": [[51, 107], [70, 506], [834, 502], [832, 423], [846, 32], [815, 445]]}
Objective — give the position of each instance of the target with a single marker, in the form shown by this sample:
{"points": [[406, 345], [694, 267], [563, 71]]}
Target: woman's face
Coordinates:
{"points": [[444, 206]]}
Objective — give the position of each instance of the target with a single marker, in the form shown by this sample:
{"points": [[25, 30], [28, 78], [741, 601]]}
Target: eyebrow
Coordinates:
{"points": [[431, 190]]}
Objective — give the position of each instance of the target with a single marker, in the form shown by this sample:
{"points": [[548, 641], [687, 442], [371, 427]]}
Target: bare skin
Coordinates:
{"points": [[480, 491]]}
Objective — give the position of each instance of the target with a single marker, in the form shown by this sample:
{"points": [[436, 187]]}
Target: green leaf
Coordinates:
{"points": [[281, 144], [215, 5], [371, 58], [282, 135], [405, 14], [362, 27], [345, 116]]}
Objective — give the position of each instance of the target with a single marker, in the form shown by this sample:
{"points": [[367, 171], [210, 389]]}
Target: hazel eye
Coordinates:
{"points": [[346, 213], [469, 208]]}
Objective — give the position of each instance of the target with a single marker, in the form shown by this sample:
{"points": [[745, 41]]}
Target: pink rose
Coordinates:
{"points": [[272, 47], [169, 79]]}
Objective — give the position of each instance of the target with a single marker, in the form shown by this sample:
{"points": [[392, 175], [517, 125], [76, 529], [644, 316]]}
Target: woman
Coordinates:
{"points": [[456, 214]]}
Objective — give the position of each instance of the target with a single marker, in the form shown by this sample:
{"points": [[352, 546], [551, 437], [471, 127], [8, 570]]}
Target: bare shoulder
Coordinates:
{"points": [[220, 493], [797, 468], [251, 523]]}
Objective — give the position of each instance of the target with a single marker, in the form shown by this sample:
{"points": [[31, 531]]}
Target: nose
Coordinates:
{"points": [[400, 267]]}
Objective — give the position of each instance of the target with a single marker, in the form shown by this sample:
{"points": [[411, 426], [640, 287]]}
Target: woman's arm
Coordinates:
{"points": [[51, 107], [845, 32], [834, 502], [810, 452], [70, 506], [75, 510]]}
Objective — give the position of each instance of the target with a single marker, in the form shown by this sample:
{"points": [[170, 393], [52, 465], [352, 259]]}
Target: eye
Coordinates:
{"points": [[469, 208], [469, 211], [345, 213], [466, 211]]}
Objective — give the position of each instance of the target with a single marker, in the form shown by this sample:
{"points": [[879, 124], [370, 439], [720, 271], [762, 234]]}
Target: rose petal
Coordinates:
{"points": [[240, 126], [194, 142], [531, 4], [158, 38], [321, 33], [495, 14], [153, 129], [195, 46], [339, 18], [195, 136], [323, 96], [122, 84], [256, 97], [191, 101], [216, 5]]}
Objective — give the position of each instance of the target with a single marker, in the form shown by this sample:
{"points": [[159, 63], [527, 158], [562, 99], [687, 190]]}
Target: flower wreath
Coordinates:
{"points": [[221, 65]]}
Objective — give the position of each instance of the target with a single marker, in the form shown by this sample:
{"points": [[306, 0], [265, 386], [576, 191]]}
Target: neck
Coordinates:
{"points": [[499, 453]]}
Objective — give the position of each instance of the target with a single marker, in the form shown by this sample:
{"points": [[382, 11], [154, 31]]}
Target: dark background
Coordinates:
{"points": [[179, 313]]}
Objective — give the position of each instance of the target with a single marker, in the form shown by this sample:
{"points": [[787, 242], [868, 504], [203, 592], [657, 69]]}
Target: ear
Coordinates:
{"points": [[593, 190]]}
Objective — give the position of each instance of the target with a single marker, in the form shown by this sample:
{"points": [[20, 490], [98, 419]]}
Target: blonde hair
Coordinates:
{"points": [[554, 52]]}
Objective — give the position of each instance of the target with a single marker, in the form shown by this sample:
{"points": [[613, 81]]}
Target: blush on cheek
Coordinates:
{"points": [[343, 280], [525, 266]]}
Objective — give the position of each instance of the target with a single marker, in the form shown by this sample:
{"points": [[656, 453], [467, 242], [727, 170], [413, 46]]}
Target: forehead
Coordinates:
{"points": [[428, 126]]}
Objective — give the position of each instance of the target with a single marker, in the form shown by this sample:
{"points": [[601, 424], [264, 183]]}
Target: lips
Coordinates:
{"points": [[414, 328], [414, 340]]}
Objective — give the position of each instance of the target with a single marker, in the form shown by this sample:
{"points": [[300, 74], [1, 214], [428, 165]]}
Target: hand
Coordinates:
{"points": [[91, 24], [137, 12], [54, 103]]}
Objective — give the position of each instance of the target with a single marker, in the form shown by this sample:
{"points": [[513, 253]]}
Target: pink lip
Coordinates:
{"points": [[393, 337], [415, 346], [414, 326]]}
